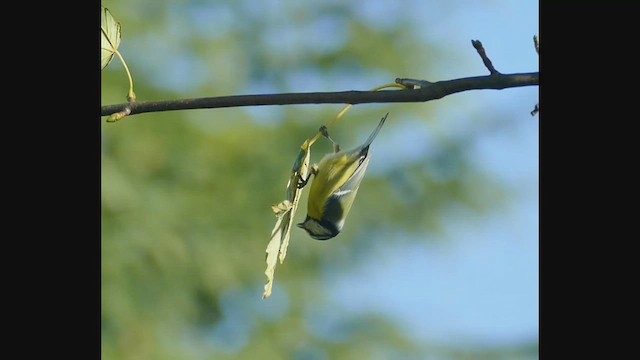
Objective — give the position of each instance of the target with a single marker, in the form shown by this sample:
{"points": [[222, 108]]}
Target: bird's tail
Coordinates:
{"points": [[375, 132]]}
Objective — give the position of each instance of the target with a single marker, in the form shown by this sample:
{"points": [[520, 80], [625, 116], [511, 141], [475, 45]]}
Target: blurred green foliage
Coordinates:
{"points": [[186, 196]]}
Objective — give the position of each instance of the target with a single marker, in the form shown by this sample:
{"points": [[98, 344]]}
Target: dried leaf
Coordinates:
{"points": [[282, 207], [285, 211]]}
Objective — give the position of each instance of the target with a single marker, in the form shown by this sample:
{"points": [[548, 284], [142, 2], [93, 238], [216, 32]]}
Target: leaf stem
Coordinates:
{"points": [[131, 96], [347, 107]]}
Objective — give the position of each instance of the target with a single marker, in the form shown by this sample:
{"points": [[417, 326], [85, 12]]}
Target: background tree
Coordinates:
{"points": [[186, 195]]}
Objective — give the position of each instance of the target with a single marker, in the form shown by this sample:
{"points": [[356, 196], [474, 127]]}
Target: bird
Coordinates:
{"points": [[336, 180]]}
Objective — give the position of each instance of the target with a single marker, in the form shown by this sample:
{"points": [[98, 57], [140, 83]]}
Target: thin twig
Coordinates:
{"points": [[120, 114], [478, 46], [413, 83], [536, 43], [434, 91]]}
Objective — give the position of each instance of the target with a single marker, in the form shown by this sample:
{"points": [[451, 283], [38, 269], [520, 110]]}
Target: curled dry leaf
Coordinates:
{"points": [[285, 211]]}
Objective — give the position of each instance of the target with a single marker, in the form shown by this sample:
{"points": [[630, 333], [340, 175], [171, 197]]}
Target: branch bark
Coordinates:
{"points": [[432, 91], [417, 91]]}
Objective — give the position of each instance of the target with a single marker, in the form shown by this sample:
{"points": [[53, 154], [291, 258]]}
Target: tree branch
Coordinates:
{"points": [[432, 91], [417, 91], [483, 55]]}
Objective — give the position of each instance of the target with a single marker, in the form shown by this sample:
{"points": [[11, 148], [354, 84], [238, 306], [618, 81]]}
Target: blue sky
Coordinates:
{"points": [[480, 286]]}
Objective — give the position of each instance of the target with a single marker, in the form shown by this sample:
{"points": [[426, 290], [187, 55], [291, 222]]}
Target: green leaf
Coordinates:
{"points": [[110, 37]]}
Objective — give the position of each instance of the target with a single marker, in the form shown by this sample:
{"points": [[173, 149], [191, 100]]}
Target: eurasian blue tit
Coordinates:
{"points": [[334, 187]]}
